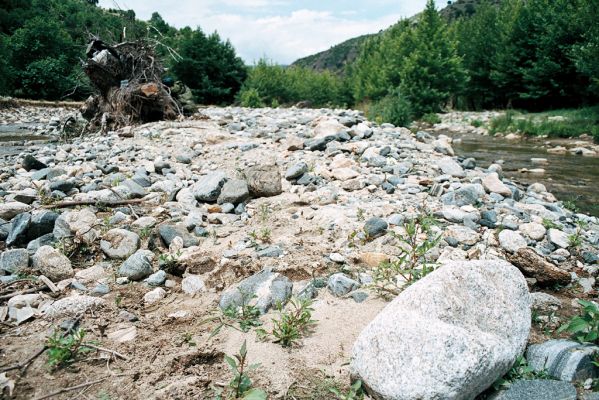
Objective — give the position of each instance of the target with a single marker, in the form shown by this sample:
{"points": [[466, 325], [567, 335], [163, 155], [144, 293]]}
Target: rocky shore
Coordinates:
{"points": [[141, 237]]}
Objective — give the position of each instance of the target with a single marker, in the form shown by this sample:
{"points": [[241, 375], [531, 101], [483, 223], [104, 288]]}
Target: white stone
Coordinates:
{"points": [[193, 284], [511, 241], [119, 243], [533, 230], [493, 184], [344, 174], [154, 295], [52, 263], [558, 238], [448, 336], [73, 306], [10, 210], [336, 257], [450, 167], [462, 234]]}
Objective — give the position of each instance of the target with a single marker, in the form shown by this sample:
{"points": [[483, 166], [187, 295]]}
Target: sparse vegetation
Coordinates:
{"points": [[584, 327], [549, 224], [519, 371], [354, 393], [240, 387], [63, 350], [169, 262], [293, 323], [391, 277], [243, 318]]}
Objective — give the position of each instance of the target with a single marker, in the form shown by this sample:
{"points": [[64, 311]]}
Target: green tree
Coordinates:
{"points": [[432, 73], [209, 67]]}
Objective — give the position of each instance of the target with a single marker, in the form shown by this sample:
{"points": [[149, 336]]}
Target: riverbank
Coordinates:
{"points": [[147, 232]]}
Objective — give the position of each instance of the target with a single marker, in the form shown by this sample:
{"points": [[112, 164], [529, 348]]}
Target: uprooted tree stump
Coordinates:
{"points": [[127, 77]]}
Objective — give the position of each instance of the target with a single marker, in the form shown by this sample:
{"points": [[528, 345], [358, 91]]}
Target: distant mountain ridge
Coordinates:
{"points": [[338, 57]]}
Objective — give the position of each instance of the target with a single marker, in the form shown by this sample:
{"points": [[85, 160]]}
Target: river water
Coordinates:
{"points": [[568, 177]]}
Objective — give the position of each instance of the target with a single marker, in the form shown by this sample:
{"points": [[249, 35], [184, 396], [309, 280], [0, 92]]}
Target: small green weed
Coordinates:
{"points": [[519, 371], [411, 265], [240, 387], [585, 327], [549, 224], [360, 214], [242, 318], [63, 350], [355, 392], [145, 233], [187, 338], [477, 123], [431, 119], [292, 325], [169, 262]]}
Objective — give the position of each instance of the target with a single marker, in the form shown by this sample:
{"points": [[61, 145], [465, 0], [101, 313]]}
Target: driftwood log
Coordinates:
{"points": [[128, 80]]}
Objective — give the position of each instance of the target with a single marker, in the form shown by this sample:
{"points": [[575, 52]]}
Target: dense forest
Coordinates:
{"points": [[534, 55]]}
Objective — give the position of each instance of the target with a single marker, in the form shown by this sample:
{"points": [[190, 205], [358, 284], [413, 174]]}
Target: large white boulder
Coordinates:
{"points": [[448, 336]]}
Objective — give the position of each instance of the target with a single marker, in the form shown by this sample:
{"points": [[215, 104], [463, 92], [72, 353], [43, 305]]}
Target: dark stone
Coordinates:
{"points": [[41, 224], [30, 162], [590, 258], [46, 240], [18, 233], [170, 232], [62, 185], [319, 144], [109, 169], [538, 390], [375, 227]]}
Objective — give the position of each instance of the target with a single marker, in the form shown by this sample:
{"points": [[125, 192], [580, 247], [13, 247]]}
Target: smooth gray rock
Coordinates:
{"points": [[52, 263], [558, 238], [264, 180], [565, 360], [234, 191], [273, 251], [10, 210], [375, 227], [14, 261], [452, 334], [466, 195], [538, 390], [296, 171], [156, 279], [169, 232], [138, 266], [46, 240], [120, 243], [450, 167], [339, 284], [208, 187], [264, 290]]}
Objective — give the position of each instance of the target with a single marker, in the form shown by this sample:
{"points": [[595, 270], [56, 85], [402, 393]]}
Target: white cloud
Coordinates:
{"points": [[285, 37]]}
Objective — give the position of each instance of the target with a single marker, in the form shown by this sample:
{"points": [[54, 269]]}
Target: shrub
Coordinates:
{"points": [[585, 327], [250, 97], [393, 108]]}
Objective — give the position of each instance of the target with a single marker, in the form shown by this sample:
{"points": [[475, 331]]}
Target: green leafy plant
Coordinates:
{"points": [[391, 277], [355, 392], [575, 240], [240, 387], [570, 205], [477, 123], [187, 338], [519, 371], [549, 224], [585, 327], [169, 262], [431, 119], [145, 233], [242, 318], [63, 350], [293, 323]]}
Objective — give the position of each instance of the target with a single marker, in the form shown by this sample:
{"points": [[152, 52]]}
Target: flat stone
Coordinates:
{"points": [[296, 171], [451, 334], [493, 184], [462, 234], [120, 243], [450, 167], [466, 195], [193, 284], [11, 209], [264, 180], [52, 263], [565, 360], [265, 289], [154, 296], [539, 389], [234, 191], [73, 306], [344, 174], [558, 238]]}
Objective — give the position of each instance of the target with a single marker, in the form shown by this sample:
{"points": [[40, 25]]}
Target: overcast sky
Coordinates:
{"points": [[282, 30]]}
